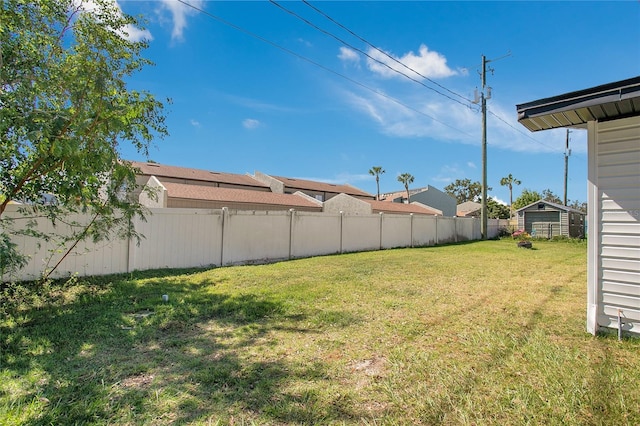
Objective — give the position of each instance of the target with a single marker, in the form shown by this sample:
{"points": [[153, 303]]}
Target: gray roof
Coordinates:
{"points": [[606, 102], [554, 205]]}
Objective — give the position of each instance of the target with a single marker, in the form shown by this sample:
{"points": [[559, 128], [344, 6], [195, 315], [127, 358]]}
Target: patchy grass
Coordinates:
{"points": [[477, 333]]}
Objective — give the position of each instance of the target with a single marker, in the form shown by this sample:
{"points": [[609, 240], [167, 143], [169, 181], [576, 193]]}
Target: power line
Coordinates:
{"points": [[383, 52], [291, 52], [311, 24], [521, 132]]}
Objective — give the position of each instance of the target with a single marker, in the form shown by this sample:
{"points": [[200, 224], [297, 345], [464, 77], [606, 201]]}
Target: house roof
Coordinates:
{"points": [[309, 185], [468, 207], [608, 101], [417, 208], [162, 170], [232, 195], [554, 205], [389, 197]]}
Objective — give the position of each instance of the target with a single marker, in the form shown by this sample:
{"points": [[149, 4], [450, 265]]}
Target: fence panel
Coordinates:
{"points": [[177, 238], [424, 230], [396, 231], [255, 236], [85, 258], [360, 233], [446, 230], [315, 234]]}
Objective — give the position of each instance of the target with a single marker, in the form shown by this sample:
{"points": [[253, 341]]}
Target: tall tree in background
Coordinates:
{"points": [[526, 197], [377, 171], [464, 190], [406, 179], [65, 110], [509, 181]]}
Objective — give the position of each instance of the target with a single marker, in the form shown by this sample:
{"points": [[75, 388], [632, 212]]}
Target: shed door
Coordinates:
{"points": [[542, 224]]}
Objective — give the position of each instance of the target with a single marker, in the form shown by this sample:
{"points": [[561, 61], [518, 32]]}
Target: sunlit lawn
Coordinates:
{"points": [[478, 333]]}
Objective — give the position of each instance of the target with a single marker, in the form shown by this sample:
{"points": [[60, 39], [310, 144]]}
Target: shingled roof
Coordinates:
{"points": [[309, 185], [211, 193], [162, 170]]}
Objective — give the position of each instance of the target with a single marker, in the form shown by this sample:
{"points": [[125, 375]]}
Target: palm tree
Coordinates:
{"points": [[377, 171], [406, 179], [509, 181]]}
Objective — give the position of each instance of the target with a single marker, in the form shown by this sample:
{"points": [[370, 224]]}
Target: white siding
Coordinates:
{"points": [[615, 178]]}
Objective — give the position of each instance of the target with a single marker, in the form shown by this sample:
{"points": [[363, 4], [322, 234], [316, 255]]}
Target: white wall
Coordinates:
{"points": [[183, 238], [614, 225]]}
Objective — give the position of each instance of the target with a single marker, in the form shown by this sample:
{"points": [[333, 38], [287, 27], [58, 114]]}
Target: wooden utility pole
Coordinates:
{"points": [[483, 104]]}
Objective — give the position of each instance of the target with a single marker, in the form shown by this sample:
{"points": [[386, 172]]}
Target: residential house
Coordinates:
{"points": [[610, 113], [319, 190], [429, 196], [469, 209]]}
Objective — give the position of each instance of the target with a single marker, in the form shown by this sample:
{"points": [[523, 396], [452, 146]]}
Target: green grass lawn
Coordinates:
{"points": [[477, 333]]}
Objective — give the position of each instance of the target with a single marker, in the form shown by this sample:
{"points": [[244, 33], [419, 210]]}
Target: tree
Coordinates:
{"points": [[496, 210], [377, 171], [406, 179], [548, 195], [65, 110], [464, 190], [526, 197], [509, 181]]}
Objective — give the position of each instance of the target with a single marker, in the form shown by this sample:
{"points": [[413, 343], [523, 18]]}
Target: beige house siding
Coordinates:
{"points": [[206, 204]]}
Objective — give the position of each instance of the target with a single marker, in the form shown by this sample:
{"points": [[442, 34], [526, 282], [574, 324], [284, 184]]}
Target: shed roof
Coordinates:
{"points": [[212, 193], [574, 109], [554, 205], [162, 170], [310, 185]]}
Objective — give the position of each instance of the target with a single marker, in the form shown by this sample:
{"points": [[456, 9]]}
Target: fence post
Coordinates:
{"points": [[381, 220], [292, 212], [341, 230], [411, 233], [222, 231]]}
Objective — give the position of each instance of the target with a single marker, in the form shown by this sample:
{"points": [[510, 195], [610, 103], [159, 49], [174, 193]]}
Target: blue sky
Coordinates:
{"points": [[254, 87]]}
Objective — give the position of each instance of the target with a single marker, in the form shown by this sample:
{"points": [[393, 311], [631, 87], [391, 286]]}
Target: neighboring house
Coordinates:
{"points": [[184, 175], [351, 205], [181, 187], [611, 115], [180, 195], [469, 209], [547, 219], [321, 191], [428, 196]]}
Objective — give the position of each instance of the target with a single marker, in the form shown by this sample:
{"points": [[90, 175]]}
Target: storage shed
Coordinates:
{"points": [[611, 115], [546, 219]]}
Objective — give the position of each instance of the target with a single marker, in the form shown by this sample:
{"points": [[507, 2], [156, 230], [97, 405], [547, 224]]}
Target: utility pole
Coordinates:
{"points": [[567, 153], [483, 104]]}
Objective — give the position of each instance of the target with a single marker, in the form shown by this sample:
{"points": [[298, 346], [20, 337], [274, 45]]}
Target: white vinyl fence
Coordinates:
{"points": [[185, 238]]}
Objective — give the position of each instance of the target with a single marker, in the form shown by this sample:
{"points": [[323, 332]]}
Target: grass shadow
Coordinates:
{"points": [[122, 355]]}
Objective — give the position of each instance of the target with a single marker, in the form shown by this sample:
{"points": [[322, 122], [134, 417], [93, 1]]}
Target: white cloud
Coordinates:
{"points": [[129, 32], [250, 123], [349, 56], [442, 120], [427, 63], [471, 165], [498, 200], [179, 13], [194, 123]]}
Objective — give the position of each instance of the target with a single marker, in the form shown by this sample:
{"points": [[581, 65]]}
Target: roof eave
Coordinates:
{"points": [[575, 109]]}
